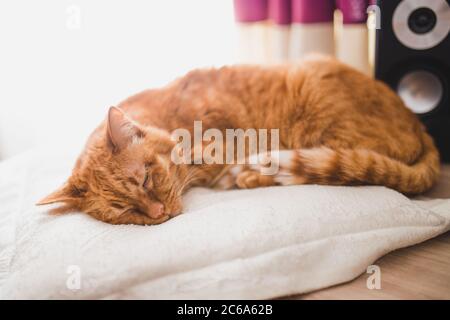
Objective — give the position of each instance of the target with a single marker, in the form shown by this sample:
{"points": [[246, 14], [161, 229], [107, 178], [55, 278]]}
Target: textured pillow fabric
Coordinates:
{"points": [[245, 244]]}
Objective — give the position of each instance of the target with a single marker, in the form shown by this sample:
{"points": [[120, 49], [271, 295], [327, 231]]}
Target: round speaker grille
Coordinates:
{"points": [[421, 91], [421, 24]]}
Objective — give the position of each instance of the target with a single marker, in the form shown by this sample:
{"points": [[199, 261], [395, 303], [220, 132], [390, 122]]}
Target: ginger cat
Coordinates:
{"points": [[337, 127]]}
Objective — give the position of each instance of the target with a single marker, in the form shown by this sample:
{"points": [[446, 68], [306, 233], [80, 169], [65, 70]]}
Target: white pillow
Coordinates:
{"points": [[245, 244]]}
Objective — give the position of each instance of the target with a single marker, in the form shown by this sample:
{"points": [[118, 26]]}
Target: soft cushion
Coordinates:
{"points": [[247, 244]]}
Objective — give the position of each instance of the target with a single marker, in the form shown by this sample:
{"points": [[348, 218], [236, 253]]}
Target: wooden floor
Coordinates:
{"points": [[418, 272]]}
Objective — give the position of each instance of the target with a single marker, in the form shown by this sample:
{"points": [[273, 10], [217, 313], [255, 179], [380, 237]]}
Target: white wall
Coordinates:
{"points": [[57, 80]]}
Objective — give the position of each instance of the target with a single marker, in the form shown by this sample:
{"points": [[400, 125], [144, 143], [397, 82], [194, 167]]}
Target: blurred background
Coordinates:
{"points": [[64, 62]]}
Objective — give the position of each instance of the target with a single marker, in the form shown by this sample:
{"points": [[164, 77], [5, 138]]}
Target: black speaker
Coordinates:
{"points": [[413, 57]]}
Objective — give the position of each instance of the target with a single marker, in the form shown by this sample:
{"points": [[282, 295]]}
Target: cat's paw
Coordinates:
{"points": [[273, 162], [250, 179]]}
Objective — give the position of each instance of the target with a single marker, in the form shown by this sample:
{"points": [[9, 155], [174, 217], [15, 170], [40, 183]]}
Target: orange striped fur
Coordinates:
{"points": [[337, 126]]}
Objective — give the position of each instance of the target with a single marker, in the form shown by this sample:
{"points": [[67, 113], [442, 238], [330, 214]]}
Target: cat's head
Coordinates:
{"points": [[126, 175]]}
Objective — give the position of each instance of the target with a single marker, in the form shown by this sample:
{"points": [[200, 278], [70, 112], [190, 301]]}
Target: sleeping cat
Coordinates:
{"points": [[336, 127]]}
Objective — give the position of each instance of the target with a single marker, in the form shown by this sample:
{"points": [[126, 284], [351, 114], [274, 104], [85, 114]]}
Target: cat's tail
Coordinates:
{"points": [[362, 166]]}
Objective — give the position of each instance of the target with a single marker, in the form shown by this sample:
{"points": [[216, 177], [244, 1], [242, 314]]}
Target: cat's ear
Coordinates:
{"points": [[120, 130], [68, 194]]}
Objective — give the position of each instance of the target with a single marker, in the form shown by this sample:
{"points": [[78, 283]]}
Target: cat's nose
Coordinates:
{"points": [[156, 210]]}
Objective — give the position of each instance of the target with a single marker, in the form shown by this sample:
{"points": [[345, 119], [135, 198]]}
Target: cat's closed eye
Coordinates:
{"points": [[146, 179], [147, 182]]}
